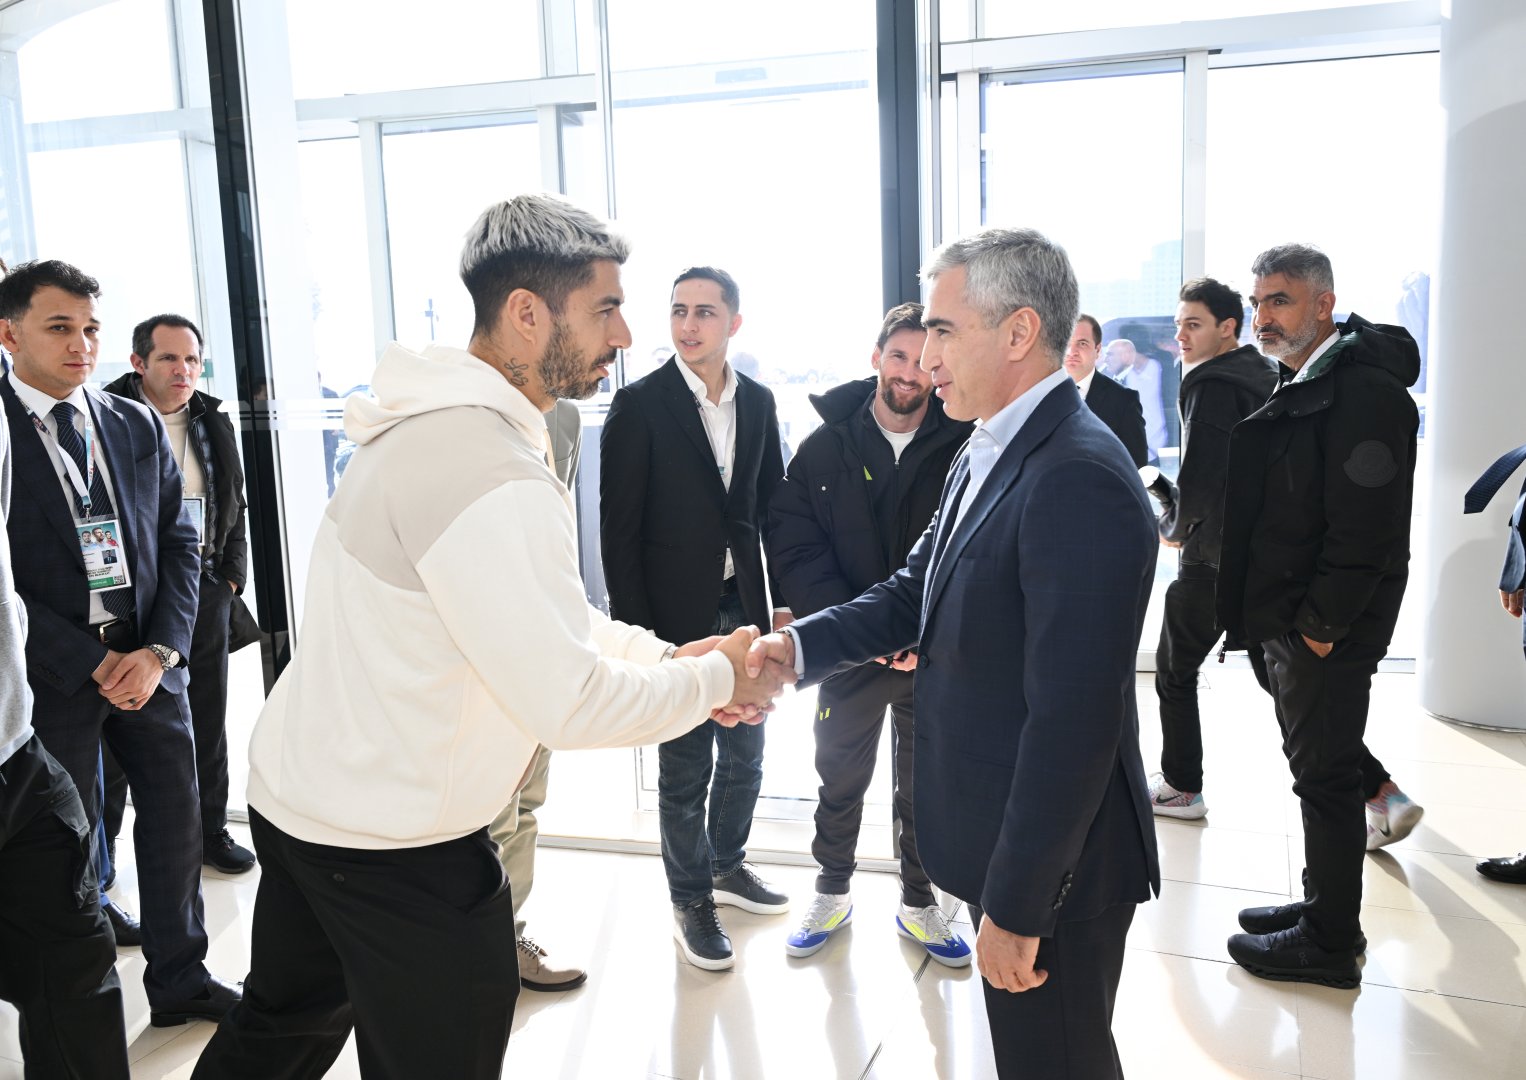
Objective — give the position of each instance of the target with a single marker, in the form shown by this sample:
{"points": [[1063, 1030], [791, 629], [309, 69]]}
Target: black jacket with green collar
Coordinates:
{"points": [[1318, 496]]}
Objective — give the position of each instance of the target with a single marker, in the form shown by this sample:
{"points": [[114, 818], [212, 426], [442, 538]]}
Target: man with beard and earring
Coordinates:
{"points": [[1314, 563], [431, 665], [689, 460], [857, 496]]}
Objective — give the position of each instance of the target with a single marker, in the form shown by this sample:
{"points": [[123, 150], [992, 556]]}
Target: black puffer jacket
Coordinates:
{"points": [[215, 444], [1215, 396], [1318, 498], [847, 513]]}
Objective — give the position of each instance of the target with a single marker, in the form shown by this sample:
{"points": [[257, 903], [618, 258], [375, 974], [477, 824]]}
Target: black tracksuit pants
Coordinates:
{"points": [[850, 711]]}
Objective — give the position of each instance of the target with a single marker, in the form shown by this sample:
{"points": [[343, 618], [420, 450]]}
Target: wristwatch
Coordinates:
{"points": [[168, 657]]}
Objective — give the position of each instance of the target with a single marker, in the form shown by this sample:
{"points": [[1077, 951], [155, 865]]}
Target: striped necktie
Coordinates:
{"points": [[117, 601]]}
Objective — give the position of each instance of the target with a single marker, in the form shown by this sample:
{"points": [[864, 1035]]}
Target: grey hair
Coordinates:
{"points": [[1009, 269], [1300, 262], [542, 243]]}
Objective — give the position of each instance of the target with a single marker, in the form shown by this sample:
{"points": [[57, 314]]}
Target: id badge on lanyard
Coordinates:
{"points": [[102, 543]]}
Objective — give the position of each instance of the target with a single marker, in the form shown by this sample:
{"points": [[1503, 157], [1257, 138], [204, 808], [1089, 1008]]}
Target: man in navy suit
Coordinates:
{"points": [[1025, 600], [109, 662]]}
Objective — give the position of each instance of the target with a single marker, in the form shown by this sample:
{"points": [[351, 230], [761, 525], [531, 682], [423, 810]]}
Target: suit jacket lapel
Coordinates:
{"points": [[1056, 406], [680, 402], [746, 402], [34, 469]]}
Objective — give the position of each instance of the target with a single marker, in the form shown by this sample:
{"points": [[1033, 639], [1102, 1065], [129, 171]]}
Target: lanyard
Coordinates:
{"points": [[81, 483]]}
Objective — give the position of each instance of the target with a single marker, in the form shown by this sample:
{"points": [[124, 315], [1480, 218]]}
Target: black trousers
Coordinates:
{"points": [[850, 711], [413, 948], [1188, 632], [208, 698], [158, 753], [1322, 710], [1063, 1030], [57, 956]]}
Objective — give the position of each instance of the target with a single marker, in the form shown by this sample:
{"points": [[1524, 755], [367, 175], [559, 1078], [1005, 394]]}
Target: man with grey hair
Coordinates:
{"points": [[1025, 600], [430, 668], [1314, 562]]}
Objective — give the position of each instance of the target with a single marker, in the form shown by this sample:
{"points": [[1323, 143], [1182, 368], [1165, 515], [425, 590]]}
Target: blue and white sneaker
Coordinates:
{"points": [[1166, 801], [1391, 816], [829, 913], [930, 928]]}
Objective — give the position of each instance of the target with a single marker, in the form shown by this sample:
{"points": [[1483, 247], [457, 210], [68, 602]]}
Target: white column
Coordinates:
{"points": [[1471, 668]]}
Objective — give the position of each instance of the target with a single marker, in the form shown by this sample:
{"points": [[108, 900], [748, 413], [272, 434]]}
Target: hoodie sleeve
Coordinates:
{"points": [[1205, 461], [522, 621]]}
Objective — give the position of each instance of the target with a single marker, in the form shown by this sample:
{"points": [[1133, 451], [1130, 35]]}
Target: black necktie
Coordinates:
{"points": [[117, 601], [1494, 477]]}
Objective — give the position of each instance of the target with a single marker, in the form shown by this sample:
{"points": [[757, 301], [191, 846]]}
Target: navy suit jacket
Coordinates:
{"points": [[1118, 407], [61, 652], [1030, 793]]}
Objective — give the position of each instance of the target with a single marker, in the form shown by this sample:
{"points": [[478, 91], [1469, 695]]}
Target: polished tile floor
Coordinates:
{"points": [[1443, 996]]}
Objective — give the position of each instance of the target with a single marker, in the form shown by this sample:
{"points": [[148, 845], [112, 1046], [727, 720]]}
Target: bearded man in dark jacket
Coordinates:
{"points": [[1314, 564], [1223, 383], [858, 494]]}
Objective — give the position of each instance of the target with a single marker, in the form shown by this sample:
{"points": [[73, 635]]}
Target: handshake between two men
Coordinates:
{"points": [[762, 666]]}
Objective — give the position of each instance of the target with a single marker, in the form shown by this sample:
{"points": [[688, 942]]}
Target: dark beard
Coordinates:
{"points": [[887, 395], [565, 372]]}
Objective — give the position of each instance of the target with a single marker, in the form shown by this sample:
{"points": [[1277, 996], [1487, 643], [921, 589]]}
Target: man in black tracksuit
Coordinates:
{"points": [[167, 367], [1222, 385], [1314, 564], [857, 496]]}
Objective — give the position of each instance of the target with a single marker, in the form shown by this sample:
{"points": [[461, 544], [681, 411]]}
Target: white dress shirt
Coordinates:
{"points": [[720, 422], [42, 407], [1085, 384]]}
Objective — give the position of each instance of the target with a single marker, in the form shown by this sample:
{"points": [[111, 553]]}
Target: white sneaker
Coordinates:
{"points": [[1391, 816], [1166, 801], [829, 913], [930, 928]]}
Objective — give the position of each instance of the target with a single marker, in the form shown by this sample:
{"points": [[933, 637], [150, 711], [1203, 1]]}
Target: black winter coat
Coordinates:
{"points": [[847, 513], [215, 444], [1318, 498], [1215, 396]]}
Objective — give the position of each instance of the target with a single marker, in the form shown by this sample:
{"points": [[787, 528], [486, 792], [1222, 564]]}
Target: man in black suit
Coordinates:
{"points": [[1025, 600], [689, 460], [109, 661], [1115, 405]]}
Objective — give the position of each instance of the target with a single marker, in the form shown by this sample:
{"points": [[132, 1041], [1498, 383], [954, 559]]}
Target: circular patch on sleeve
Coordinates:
{"points": [[1371, 464]]}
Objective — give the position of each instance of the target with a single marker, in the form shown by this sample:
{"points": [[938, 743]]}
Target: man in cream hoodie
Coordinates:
{"points": [[430, 665]]}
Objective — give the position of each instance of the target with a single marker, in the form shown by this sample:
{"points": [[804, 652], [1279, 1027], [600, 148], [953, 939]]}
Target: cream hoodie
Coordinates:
{"points": [[446, 630]]}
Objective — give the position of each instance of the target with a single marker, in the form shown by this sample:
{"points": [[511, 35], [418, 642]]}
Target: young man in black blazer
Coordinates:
{"points": [[689, 460], [1114, 404]]}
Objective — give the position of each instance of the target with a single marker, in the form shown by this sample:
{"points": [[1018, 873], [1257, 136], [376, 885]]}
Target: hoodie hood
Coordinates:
{"points": [[1378, 345], [408, 384], [842, 401], [1245, 367]]}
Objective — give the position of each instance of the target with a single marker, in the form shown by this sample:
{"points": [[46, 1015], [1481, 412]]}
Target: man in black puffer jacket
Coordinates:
{"points": [[1315, 560], [1223, 383], [858, 494]]}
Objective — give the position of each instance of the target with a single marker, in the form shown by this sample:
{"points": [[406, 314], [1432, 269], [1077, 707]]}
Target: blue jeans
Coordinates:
{"points": [[725, 763]]}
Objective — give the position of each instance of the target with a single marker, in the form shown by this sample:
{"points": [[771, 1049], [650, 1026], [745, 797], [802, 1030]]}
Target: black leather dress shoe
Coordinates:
{"points": [[126, 929], [1268, 920], [1511, 869], [1292, 956], [212, 1003]]}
